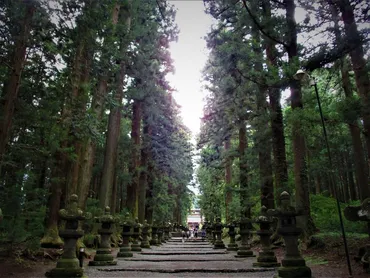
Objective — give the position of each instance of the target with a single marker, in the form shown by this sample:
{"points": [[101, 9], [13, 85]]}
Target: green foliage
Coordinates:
{"points": [[314, 260], [349, 109], [24, 214], [325, 215]]}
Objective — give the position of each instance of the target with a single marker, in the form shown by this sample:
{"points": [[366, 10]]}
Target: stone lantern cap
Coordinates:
{"points": [[127, 220], [286, 209], [106, 217], [72, 212], [146, 224], [264, 217], [218, 224], [136, 223]]}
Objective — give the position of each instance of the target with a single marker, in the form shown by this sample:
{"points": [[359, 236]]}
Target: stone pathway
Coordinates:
{"points": [[176, 259]]}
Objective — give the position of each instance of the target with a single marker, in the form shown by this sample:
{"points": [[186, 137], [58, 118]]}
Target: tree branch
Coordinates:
{"points": [[325, 57], [160, 10], [261, 28], [281, 84]]}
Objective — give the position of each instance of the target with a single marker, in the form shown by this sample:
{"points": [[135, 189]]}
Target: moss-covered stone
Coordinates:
{"points": [[245, 249], [218, 244], [135, 246], [144, 233], [293, 265], [294, 272], [68, 265], [103, 254], [266, 257], [232, 246], [125, 250]]}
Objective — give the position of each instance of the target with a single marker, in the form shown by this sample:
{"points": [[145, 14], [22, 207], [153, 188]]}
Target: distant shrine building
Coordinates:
{"points": [[195, 219]]}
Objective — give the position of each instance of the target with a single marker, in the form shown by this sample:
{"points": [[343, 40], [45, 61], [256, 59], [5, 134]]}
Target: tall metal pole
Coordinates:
{"points": [[331, 178]]}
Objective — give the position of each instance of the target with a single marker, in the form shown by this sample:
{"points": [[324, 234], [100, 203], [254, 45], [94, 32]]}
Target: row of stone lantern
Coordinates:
{"points": [[293, 265], [69, 265]]}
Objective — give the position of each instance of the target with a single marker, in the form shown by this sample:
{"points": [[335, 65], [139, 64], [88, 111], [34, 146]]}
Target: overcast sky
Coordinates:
{"points": [[190, 55]]}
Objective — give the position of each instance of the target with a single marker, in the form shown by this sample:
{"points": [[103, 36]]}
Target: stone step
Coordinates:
{"points": [[161, 253], [187, 257], [188, 242], [187, 247], [190, 251], [178, 259], [179, 266], [194, 274]]}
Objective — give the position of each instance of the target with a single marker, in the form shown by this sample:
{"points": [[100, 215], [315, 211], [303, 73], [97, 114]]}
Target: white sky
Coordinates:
{"points": [[190, 55]]}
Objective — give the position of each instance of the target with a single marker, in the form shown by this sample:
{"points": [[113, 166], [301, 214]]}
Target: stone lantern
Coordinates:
{"points": [[154, 239], [135, 246], [103, 254], [266, 258], [68, 265], [218, 226], [232, 245], [170, 229], [245, 225], [159, 234], [208, 227], [166, 231], [144, 233], [293, 265], [125, 250]]}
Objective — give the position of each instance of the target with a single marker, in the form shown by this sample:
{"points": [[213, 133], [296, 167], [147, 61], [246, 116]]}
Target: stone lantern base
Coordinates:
{"points": [[125, 252], [266, 259], [244, 252], [67, 268], [219, 244], [154, 242], [294, 268], [232, 247], [103, 257], [145, 244], [135, 247]]}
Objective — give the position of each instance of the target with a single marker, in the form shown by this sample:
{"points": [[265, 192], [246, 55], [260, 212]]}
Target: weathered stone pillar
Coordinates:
{"points": [[245, 225], [103, 254], [219, 244], [293, 265], [135, 246], [232, 245], [68, 265], [154, 239], [170, 230], [159, 235], [144, 234], [166, 232], [125, 250], [266, 258], [208, 231]]}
